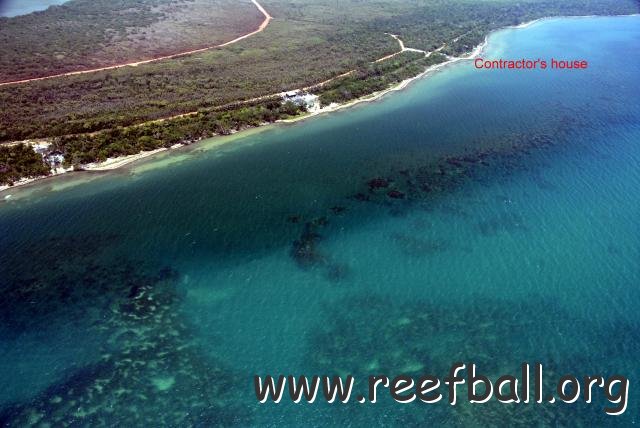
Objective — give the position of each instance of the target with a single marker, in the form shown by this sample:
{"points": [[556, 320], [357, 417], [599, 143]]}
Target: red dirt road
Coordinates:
{"points": [[267, 19]]}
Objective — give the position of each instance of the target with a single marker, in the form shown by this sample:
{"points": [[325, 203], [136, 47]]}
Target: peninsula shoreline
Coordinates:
{"points": [[113, 164]]}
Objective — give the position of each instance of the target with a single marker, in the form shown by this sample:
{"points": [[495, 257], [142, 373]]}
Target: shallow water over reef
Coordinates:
{"points": [[482, 216]]}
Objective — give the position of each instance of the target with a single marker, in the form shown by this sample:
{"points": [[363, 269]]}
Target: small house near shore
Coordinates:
{"points": [[54, 158], [301, 98]]}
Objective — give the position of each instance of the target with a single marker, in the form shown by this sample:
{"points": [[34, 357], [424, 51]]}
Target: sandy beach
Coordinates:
{"points": [[24, 181], [116, 163], [119, 162], [397, 87]]}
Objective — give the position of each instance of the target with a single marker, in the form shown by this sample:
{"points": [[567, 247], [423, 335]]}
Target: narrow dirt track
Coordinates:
{"points": [[267, 19], [403, 48]]}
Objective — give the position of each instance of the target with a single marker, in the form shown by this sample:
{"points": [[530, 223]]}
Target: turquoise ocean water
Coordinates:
{"points": [[479, 216], [22, 7]]}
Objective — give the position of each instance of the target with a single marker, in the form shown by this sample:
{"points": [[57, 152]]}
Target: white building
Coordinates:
{"points": [[300, 98], [54, 158]]}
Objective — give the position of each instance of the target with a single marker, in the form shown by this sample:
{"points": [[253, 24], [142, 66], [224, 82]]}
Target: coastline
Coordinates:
{"points": [[115, 163], [550, 18], [25, 181], [119, 162], [108, 165], [112, 164], [379, 94], [452, 60]]}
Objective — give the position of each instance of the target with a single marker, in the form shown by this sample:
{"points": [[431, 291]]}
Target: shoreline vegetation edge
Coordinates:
{"points": [[112, 164]]}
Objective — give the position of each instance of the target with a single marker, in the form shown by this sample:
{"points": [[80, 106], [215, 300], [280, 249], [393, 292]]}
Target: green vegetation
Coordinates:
{"points": [[377, 77], [432, 23], [87, 148], [20, 161], [308, 42], [85, 34], [91, 102]]}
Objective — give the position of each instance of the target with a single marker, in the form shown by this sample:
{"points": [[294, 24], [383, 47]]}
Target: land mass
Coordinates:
{"points": [[84, 35], [263, 25], [336, 54]]}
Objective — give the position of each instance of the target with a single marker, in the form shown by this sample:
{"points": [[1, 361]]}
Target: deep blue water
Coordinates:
{"points": [[12, 8], [508, 231]]}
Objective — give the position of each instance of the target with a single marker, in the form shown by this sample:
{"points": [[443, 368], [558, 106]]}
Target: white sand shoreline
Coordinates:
{"points": [[551, 18], [471, 55], [119, 162], [115, 163], [397, 87]]}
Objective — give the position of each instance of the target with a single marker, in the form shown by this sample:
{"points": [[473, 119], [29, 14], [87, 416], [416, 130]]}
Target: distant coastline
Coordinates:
{"points": [[478, 50], [13, 8], [119, 162]]}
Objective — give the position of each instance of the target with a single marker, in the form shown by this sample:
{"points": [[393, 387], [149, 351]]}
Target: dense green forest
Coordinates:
{"points": [[121, 97], [109, 113], [20, 161], [439, 21], [377, 77], [84, 34], [86, 148], [307, 42]]}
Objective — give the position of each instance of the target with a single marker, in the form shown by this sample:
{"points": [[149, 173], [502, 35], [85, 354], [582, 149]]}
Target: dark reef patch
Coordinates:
{"points": [[497, 159], [305, 249], [294, 219], [150, 373], [422, 185], [395, 194], [62, 277], [372, 335], [306, 253], [378, 183]]}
